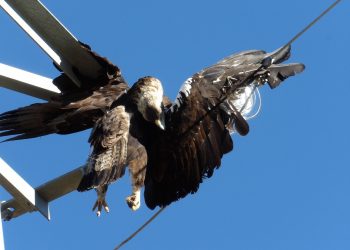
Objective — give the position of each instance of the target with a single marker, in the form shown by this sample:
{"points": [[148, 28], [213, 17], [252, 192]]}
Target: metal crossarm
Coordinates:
{"points": [[27, 199], [64, 49], [57, 42], [27, 83], [26, 196]]}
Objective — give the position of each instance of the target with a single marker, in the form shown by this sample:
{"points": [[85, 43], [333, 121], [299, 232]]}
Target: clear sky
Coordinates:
{"points": [[285, 186]]}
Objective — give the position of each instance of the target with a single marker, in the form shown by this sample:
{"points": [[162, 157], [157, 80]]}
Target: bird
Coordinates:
{"points": [[114, 141], [168, 147]]}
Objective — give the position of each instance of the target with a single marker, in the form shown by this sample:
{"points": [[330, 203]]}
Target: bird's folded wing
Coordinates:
{"points": [[109, 140]]}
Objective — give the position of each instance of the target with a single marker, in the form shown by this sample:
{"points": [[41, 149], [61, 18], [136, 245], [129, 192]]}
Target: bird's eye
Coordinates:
{"points": [[110, 76]]}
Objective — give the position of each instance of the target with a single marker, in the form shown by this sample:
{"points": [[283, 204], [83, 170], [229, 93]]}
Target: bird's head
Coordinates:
{"points": [[147, 93]]}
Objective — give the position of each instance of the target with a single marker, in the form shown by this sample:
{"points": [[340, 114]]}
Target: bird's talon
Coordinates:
{"points": [[133, 202], [99, 204], [106, 209]]}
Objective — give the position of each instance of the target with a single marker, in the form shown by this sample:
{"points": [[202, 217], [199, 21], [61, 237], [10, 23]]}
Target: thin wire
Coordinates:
{"points": [[255, 94], [311, 24], [140, 229], [287, 44], [246, 101], [282, 48], [259, 106]]}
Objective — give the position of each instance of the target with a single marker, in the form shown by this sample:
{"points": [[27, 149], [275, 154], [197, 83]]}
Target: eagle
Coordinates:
{"points": [[168, 148]]}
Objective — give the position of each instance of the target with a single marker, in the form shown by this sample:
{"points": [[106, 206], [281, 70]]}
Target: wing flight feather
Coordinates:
{"points": [[199, 123], [75, 109]]}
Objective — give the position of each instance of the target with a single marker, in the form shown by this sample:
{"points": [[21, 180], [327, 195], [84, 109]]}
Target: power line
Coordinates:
{"points": [[140, 229], [311, 24]]}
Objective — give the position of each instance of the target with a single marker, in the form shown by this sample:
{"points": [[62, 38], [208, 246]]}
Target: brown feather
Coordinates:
{"points": [[75, 109], [109, 140], [199, 124]]}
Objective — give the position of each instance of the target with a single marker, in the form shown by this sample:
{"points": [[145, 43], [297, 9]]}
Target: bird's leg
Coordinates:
{"points": [[101, 200], [137, 179], [137, 169], [134, 200]]}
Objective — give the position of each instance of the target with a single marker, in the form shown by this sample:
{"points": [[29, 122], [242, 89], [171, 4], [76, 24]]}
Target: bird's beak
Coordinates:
{"points": [[160, 124], [161, 121]]}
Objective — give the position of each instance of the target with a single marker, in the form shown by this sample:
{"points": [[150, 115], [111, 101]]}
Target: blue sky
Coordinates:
{"points": [[285, 186]]}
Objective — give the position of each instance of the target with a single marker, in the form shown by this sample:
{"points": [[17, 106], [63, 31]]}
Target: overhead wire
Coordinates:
{"points": [[139, 229]]}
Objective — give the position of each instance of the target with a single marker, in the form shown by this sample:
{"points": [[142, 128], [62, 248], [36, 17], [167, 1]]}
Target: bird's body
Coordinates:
{"points": [[168, 147], [114, 140]]}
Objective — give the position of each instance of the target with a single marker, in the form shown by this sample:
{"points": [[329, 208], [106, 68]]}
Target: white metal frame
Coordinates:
{"points": [[56, 41], [27, 199], [67, 53], [27, 83]]}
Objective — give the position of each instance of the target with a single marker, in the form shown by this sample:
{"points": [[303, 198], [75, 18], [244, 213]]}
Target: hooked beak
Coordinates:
{"points": [[160, 124], [161, 121]]}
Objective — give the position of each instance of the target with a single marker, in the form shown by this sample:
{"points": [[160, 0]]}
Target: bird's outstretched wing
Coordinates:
{"points": [[199, 123], [109, 141], [75, 109]]}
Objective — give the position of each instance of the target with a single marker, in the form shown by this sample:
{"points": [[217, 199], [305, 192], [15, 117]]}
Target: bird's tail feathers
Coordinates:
{"points": [[30, 121]]}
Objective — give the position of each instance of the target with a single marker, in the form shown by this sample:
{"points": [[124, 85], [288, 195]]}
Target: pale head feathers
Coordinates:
{"points": [[148, 96]]}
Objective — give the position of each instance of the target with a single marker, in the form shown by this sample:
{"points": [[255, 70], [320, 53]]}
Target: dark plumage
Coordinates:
{"points": [[74, 110], [198, 125], [111, 149], [169, 148]]}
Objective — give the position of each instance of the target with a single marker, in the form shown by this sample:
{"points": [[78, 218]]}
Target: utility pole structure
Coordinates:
{"points": [[67, 53]]}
